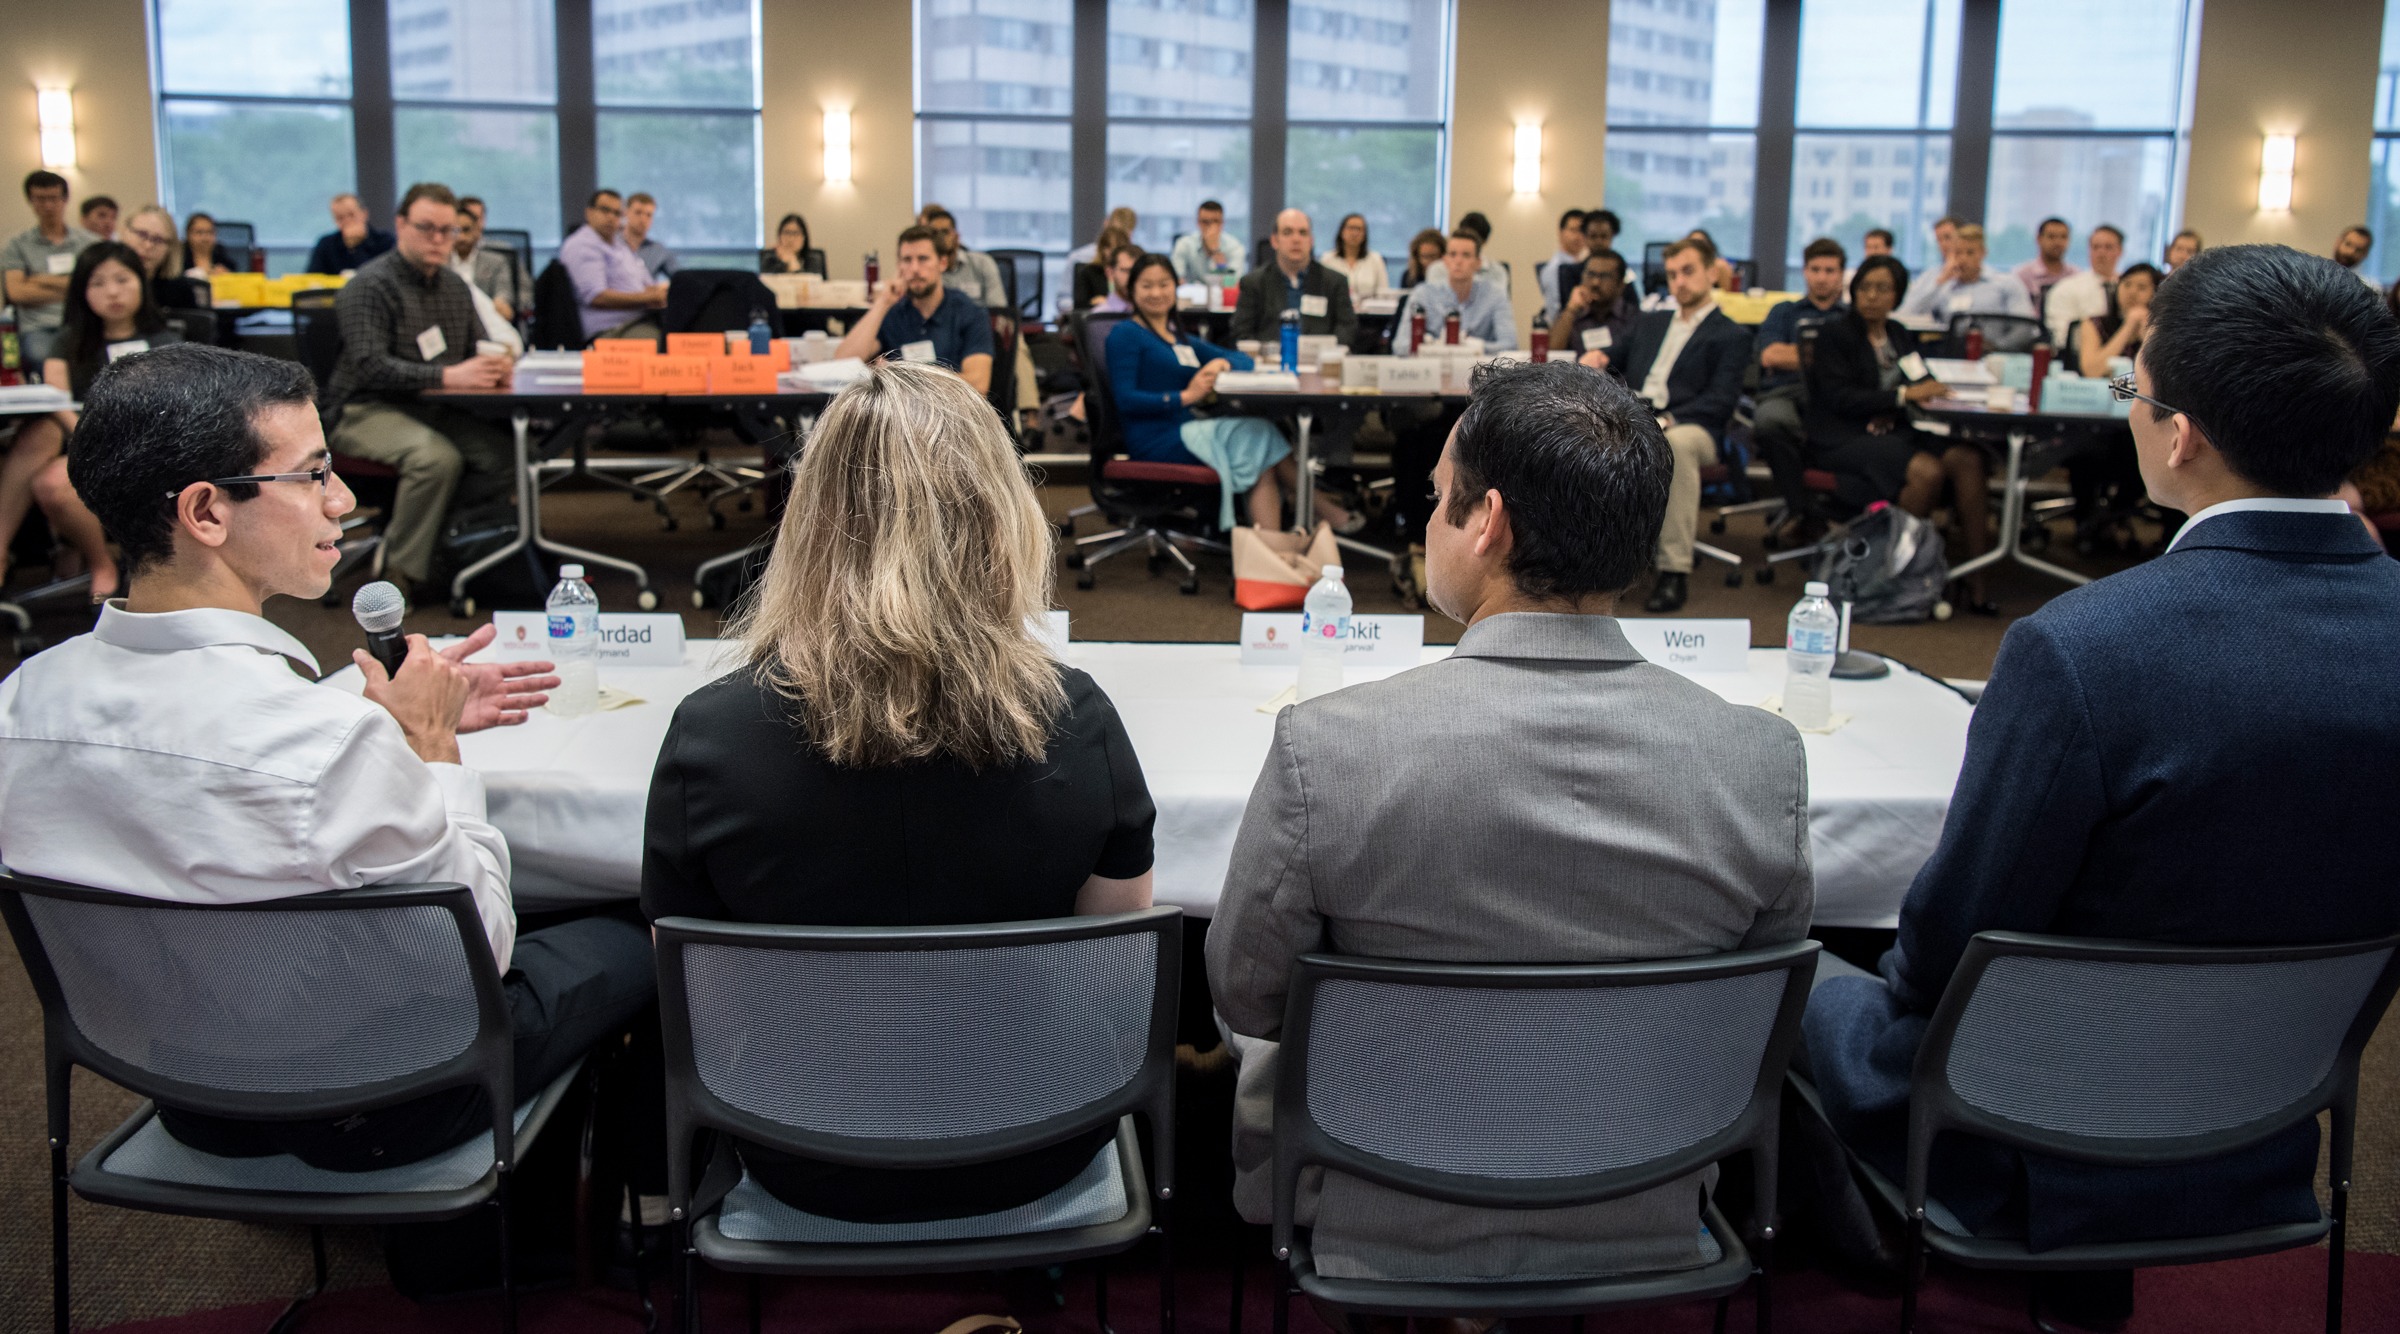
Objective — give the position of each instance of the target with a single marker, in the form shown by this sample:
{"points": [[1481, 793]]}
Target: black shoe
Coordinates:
{"points": [[1669, 592]]}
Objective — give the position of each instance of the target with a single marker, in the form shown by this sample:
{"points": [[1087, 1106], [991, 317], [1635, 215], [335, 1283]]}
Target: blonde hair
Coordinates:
{"points": [[912, 556]]}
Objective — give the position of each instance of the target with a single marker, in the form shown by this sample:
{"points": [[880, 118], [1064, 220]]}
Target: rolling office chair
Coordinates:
{"points": [[1159, 507], [713, 301], [509, 238], [318, 333], [240, 240], [557, 324]]}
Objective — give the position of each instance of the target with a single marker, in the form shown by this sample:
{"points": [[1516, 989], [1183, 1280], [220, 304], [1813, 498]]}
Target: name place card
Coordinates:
{"points": [[1690, 645], [629, 639], [1272, 639]]}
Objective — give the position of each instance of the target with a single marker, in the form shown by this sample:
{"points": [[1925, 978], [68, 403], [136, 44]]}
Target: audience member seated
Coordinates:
{"points": [[790, 254], [1600, 229], [1157, 373], [1355, 259], [1425, 251], [1121, 218], [109, 315], [35, 263], [1211, 256], [1551, 272], [1859, 428], [99, 214], [151, 233], [173, 753], [1877, 241], [1721, 273], [2351, 253], [200, 256], [1536, 836], [409, 324], [613, 292], [351, 243], [2125, 781], [640, 211], [914, 315], [1965, 287], [2049, 264], [1688, 363], [1464, 286], [511, 295], [2186, 244], [2119, 332], [1093, 287], [1781, 398], [2106, 478], [1600, 310], [891, 686], [1493, 271], [970, 271], [2086, 295], [1119, 300], [1294, 280]]}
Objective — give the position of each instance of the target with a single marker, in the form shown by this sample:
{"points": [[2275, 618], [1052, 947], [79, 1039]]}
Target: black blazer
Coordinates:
{"points": [[1258, 306], [1845, 383], [1705, 384]]}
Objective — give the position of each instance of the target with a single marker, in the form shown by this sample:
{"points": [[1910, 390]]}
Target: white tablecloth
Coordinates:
{"points": [[570, 793]]}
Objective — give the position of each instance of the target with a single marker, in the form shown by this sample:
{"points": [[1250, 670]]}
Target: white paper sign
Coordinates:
{"points": [[1272, 639], [631, 639], [1690, 645]]}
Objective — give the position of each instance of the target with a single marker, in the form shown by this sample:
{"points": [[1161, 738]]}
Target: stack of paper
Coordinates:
{"points": [[1258, 382], [36, 396]]}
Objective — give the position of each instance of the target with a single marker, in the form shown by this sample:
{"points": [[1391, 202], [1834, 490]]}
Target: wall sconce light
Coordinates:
{"points": [[837, 147], [1528, 180], [2275, 173], [55, 109]]}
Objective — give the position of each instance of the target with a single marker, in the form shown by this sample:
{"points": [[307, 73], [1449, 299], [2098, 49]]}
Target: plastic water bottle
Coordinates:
{"points": [[762, 334], [1324, 626], [1291, 339], [1810, 645], [574, 621]]}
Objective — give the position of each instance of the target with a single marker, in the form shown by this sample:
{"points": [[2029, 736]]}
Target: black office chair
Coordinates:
{"points": [[1023, 269], [1745, 272], [2001, 333], [2130, 1054], [317, 334], [1654, 266], [1261, 251], [712, 301], [1159, 507], [191, 324], [1003, 392], [557, 323], [240, 240], [509, 238]]}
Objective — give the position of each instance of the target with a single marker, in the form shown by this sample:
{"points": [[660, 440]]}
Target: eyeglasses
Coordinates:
{"points": [[431, 230], [317, 475], [152, 237], [2121, 389]]}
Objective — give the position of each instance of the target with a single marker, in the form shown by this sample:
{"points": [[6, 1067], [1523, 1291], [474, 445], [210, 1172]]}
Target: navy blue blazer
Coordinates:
{"points": [[2204, 749], [1704, 385]]}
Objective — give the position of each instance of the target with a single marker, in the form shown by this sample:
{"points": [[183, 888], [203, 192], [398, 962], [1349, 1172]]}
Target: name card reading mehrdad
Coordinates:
{"points": [[630, 639], [1272, 639], [1690, 645]]}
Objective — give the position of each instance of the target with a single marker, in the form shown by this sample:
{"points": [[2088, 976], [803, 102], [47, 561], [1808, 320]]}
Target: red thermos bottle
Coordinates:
{"points": [[1450, 328], [874, 272], [1974, 343], [1416, 330], [2041, 371], [1539, 343]]}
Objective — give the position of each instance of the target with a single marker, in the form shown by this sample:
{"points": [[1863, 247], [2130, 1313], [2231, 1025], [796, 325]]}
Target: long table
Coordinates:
{"points": [[2037, 441], [570, 794]]}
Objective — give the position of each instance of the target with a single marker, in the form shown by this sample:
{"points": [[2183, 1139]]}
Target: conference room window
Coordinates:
{"points": [[254, 121], [1682, 144], [1877, 85], [995, 108], [2089, 129], [474, 91], [2383, 163], [1179, 103], [1367, 99], [677, 91]]}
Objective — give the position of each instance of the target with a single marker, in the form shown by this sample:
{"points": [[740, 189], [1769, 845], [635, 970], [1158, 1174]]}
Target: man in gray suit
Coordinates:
{"points": [[1542, 796]]}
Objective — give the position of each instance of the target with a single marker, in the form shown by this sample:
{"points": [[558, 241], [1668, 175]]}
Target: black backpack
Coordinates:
{"points": [[1889, 566]]}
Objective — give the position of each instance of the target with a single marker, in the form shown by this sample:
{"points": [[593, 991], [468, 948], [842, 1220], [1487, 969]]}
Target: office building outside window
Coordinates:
{"points": [[1877, 87], [1179, 101], [474, 90], [1367, 105], [1683, 78], [677, 86], [2383, 163], [995, 121]]}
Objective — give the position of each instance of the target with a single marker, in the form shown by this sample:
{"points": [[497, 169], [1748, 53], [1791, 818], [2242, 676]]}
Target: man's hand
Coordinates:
{"points": [[655, 296], [1579, 300], [889, 293], [426, 698], [501, 693], [478, 373]]}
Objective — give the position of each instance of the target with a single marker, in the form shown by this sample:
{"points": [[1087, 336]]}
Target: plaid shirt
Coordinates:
{"points": [[384, 309]]}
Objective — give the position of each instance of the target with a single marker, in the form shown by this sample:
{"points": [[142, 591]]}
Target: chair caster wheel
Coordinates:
{"points": [[1716, 525], [716, 521], [1771, 542], [1766, 574], [1074, 560], [647, 600], [1733, 577], [1086, 579], [1066, 530], [462, 608], [699, 599], [1154, 564], [667, 524], [743, 505], [1189, 587], [1942, 611]]}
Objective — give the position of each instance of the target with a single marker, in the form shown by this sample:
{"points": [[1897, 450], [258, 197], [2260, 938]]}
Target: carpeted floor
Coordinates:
{"points": [[222, 1276]]}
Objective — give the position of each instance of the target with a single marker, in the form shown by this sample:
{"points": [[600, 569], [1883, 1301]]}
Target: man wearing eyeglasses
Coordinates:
{"points": [[2197, 750], [409, 324], [173, 753]]}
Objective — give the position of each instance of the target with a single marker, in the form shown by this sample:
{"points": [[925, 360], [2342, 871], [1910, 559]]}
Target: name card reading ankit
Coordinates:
{"points": [[1691, 645], [1272, 639], [631, 639]]}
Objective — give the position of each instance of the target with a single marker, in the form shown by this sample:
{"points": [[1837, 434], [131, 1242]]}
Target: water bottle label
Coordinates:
{"points": [[1338, 628], [1808, 639], [562, 627]]}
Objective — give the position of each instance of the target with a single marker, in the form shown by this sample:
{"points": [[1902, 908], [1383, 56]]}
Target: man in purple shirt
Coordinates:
{"points": [[613, 291]]}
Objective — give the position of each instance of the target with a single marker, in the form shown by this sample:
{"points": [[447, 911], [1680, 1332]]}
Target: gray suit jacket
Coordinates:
{"points": [[1543, 796]]}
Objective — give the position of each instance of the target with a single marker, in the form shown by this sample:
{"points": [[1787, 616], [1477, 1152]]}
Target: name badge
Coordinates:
{"points": [[60, 265], [1913, 366], [127, 348], [1272, 639], [1312, 305], [920, 350], [431, 344], [1961, 304], [1596, 339], [632, 639], [1687, 646], [1185, 356]]}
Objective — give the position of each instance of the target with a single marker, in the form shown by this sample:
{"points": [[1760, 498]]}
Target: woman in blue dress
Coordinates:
{"points": [[1156, 374]]}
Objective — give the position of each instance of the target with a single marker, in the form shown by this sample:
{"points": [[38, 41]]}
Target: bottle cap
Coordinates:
{"points": [[570, 571], [1330, 572], [1814, 589]]}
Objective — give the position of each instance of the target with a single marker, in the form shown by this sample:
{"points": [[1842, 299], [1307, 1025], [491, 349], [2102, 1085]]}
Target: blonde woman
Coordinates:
{"points": [[899, 749]]}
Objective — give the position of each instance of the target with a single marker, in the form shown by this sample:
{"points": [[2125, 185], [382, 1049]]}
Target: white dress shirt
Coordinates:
{"points": [[175, 755], [1990, 293], [1679, 332], [2258, 504], [2079, 296], [1367, 275]]}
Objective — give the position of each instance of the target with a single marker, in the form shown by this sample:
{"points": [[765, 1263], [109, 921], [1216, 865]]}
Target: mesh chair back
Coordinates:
{"points": [[240, 240], [1022, 271], [1004, 366], [193, 326], [318, 332], [1654, 266], [556, 321], [2001, 333], [1099, 397], [271, 1001], [511, 239], [2182, 1045]]}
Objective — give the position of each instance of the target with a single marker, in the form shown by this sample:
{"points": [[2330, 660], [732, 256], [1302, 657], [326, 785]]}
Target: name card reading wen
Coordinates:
{"points": [[1272, 639], [633, 639], [1691, 645]]}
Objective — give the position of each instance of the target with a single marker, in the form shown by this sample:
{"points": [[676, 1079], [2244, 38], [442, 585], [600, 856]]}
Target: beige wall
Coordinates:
{"points": [[818, 55], [99, 49], [1527, 60], [2304, 67]]}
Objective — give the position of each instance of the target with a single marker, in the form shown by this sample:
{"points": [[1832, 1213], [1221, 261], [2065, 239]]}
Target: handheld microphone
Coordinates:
{"points": [[379, 607]]}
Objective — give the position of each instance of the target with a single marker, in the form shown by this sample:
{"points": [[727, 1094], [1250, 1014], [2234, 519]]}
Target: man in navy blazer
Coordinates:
{"points": [[2197, 750], [1688, 362]]}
